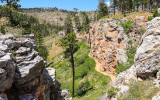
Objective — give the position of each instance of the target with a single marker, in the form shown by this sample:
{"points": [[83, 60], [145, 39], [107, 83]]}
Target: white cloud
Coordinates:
{"points": [[108, 3]]}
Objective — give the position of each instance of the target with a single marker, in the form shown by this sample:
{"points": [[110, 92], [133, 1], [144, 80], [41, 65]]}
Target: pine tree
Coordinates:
{"points": [[114, 5], [86, 21], [102, 9], [68, 25], [69, 42], [12, 3], [39, 35], [77, 23]]}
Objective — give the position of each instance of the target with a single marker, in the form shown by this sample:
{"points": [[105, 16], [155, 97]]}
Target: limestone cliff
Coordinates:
{"points": [[23, 75], [109, 43]]}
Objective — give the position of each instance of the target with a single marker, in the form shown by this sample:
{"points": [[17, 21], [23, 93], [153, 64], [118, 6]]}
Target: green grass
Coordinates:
{"points": [[89, 83], [141, 90]]}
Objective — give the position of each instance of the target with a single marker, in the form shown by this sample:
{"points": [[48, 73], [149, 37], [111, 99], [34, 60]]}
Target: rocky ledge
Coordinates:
{"points": [[23, 75]]}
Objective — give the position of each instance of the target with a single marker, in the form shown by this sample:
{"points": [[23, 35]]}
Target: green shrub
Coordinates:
{"points": [[127, 25], [103, 80], [62, 64], [83, 88], [2, 29], [122, 67], [150, 18], [81, 59], [155, 13], [83, 69], [107, 16], [6, 11], [112, 91]]}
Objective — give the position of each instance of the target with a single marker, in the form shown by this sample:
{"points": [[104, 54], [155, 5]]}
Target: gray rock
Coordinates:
{"points": [[157, 97], [158, 75], [23, 50], [125, 77], [21, 65], [157, 80], [3, 48], [106, 97], [3, 96], [2, 53], [61, 34], [147, 55], [2, 71], [7, 72], [29, 70], [63, 95], [27, 97], [121, 56], [51, 72], [31, 36]]}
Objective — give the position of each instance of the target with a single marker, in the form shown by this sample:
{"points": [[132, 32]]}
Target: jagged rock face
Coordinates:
{"points": [[23, 75], [148, 54], [109, 43]]}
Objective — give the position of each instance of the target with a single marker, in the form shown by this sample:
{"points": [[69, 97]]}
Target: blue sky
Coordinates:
{"points": [[82, 5]]}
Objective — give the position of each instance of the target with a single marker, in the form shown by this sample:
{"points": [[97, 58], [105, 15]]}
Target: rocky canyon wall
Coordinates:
{"points": [[146, 62], [108, 42]]}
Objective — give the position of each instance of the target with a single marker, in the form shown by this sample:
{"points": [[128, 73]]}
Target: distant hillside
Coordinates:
{"points": [[54, 16]]}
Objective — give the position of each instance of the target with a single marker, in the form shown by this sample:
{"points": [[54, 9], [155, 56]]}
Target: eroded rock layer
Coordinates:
{"points": [[23, 75]]}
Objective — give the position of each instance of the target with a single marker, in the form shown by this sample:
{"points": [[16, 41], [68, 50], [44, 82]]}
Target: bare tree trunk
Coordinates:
{"points": [[73, 73], [7, 2], [137, 7], [114, 10], [124, 8]]}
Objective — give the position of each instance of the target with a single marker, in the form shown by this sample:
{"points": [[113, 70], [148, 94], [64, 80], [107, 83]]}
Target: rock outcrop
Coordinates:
{"points": [[147, 61], [23, 75], [147, 55], [108, 42]]}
